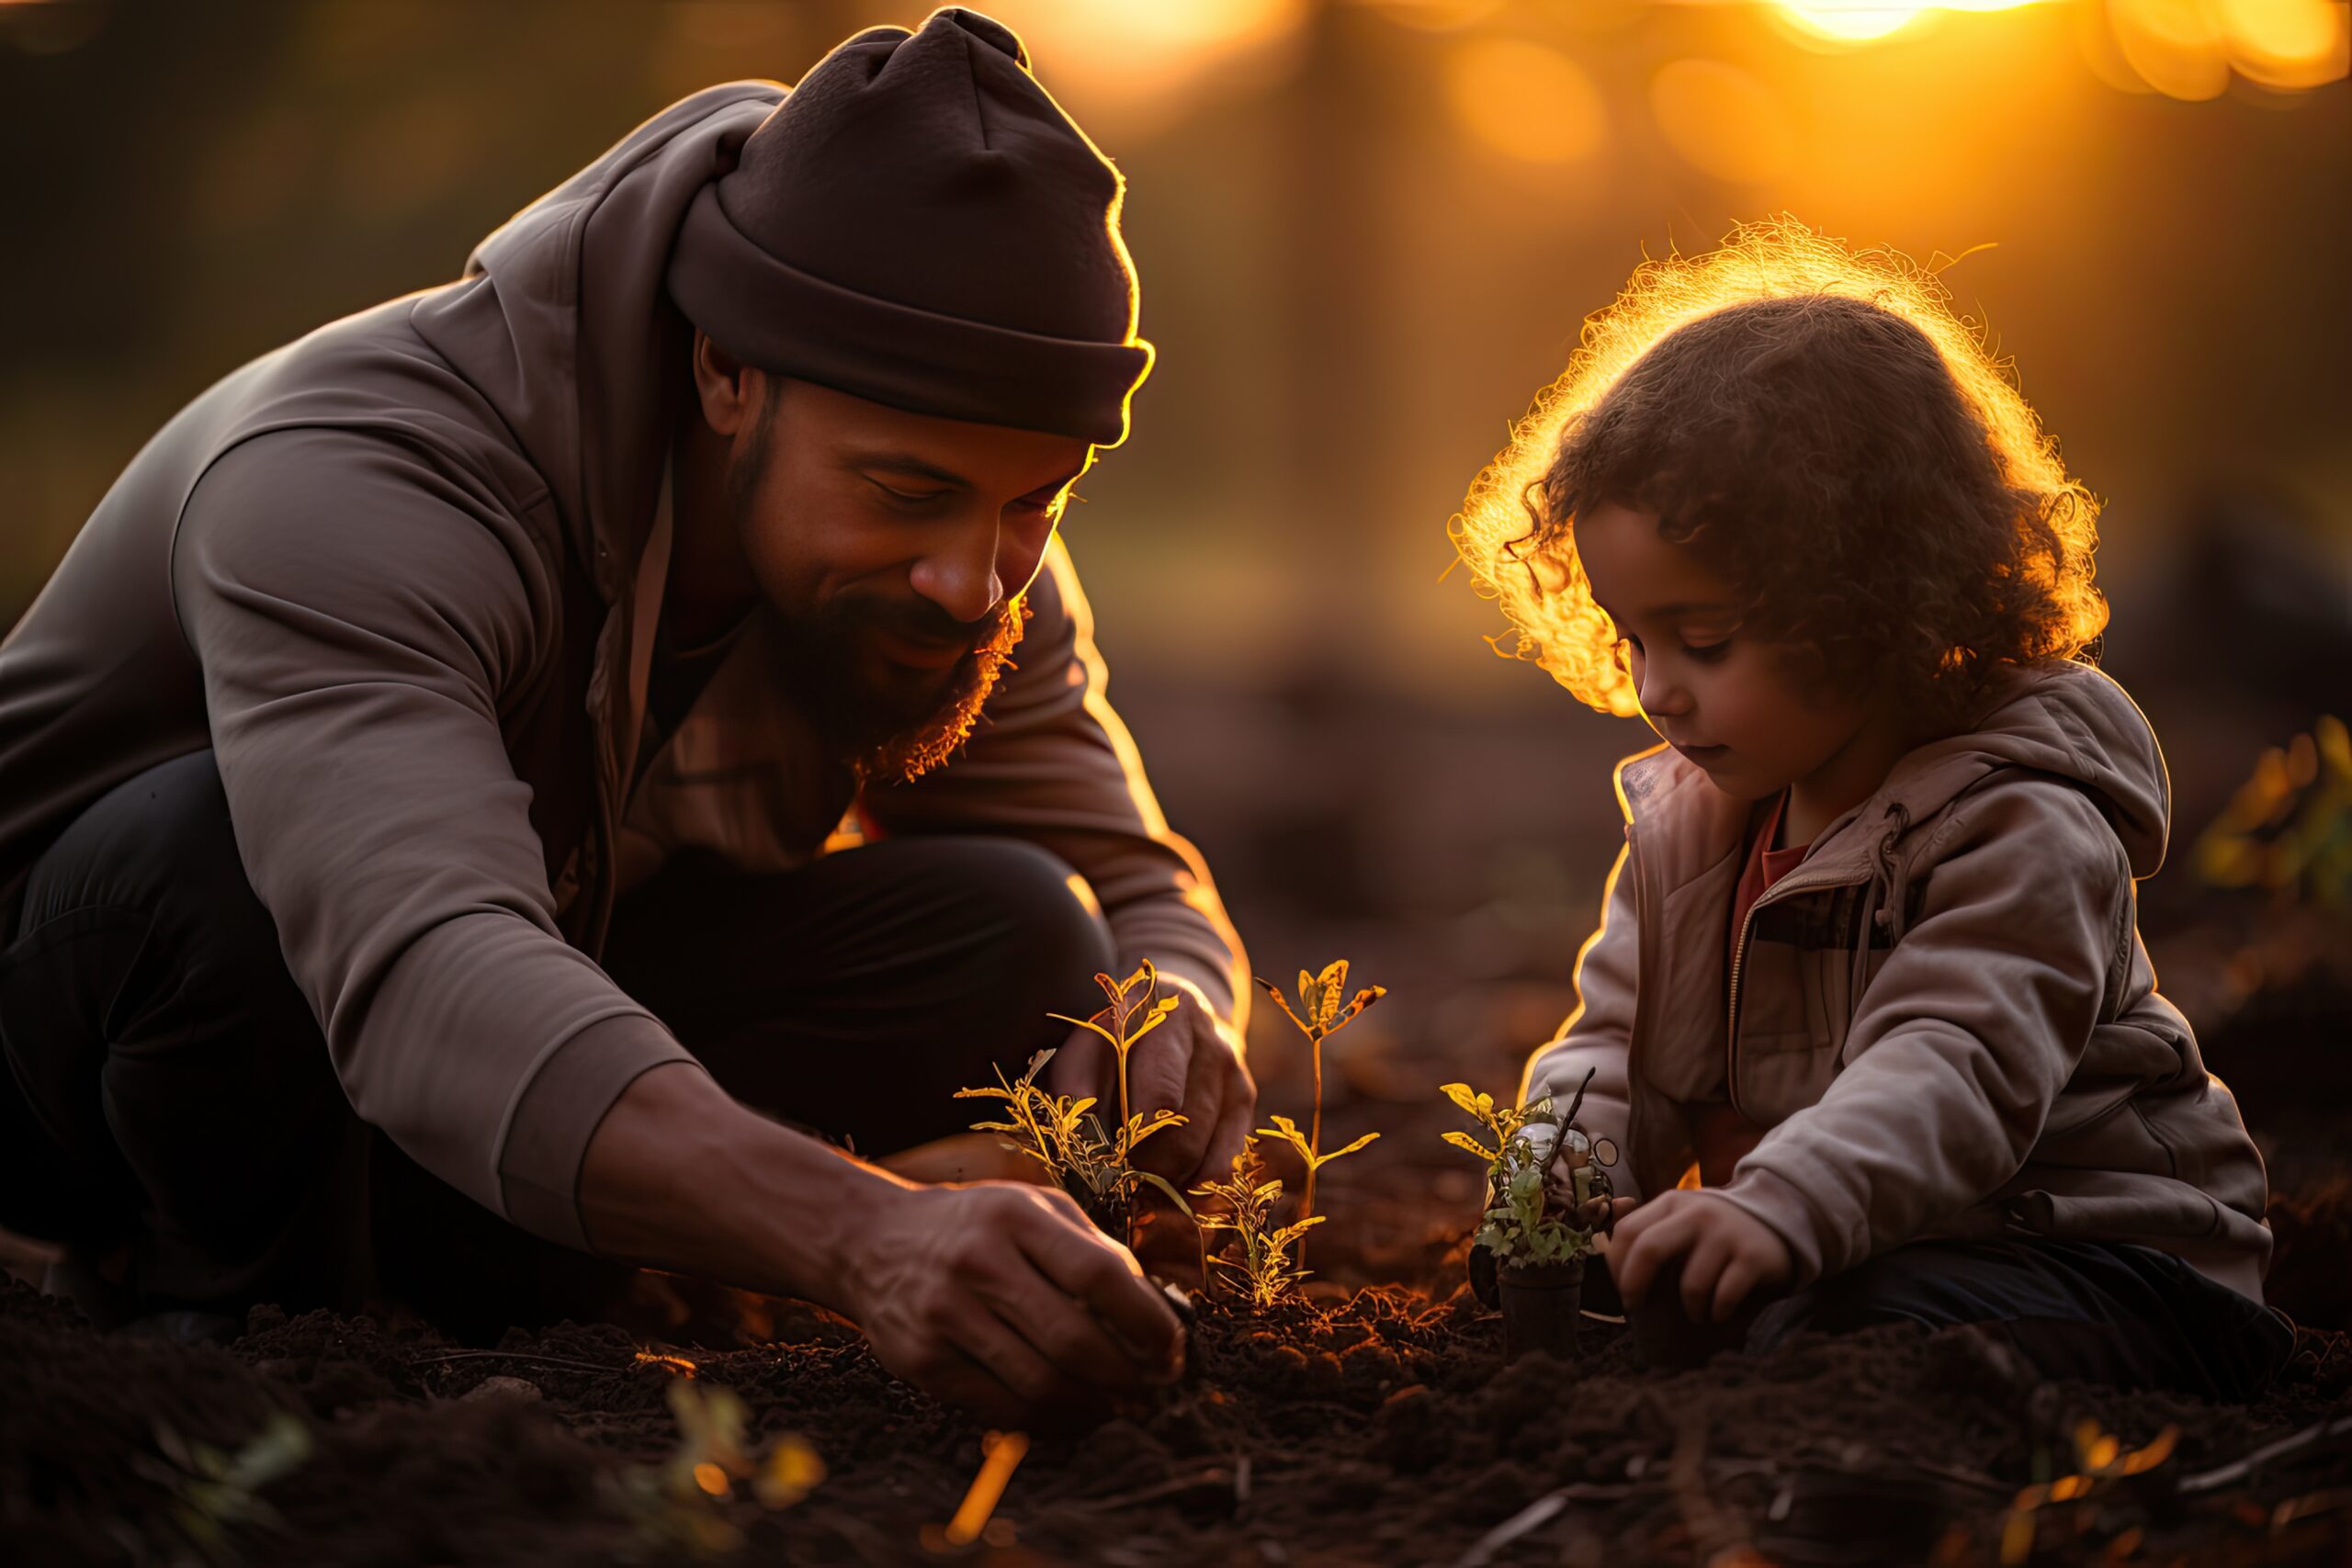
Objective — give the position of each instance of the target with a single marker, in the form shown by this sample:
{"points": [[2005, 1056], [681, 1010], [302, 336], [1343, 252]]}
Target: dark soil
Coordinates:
{"points": [[1383, 1429], [1365, 1425]]}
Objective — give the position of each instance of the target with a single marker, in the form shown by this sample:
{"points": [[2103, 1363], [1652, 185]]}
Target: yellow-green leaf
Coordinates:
{"points": [[1086, 1023], [1174, 1197], [1465, 1141]]}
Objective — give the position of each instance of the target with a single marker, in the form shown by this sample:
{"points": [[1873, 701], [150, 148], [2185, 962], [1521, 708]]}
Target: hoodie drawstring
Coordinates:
{"points": [[1883, 901]]}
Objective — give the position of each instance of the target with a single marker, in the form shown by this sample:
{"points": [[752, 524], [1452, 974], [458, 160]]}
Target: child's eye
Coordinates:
{"points": [[1707, 653]]}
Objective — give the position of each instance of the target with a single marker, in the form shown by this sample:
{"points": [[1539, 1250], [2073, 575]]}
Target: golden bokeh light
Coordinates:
{"points": [[1721, 120], [1525, 100], [1853, 21], [1132, 68], [1437, 15], [2175, 45], [2183, 49], [2289, 44], [1866, 21]]}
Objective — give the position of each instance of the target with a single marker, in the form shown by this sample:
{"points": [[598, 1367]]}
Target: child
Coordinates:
{"points": [[1871, 1019]]}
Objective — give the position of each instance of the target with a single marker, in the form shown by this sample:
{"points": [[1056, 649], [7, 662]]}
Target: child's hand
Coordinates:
{"points": [[1727, 1254]]}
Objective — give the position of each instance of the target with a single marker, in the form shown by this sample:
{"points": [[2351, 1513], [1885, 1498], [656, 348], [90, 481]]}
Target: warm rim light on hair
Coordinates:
{"points": [[1546, 597]]}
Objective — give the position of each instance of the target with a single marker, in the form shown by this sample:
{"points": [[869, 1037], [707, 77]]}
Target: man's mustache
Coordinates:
{"points": [[920, 620]]}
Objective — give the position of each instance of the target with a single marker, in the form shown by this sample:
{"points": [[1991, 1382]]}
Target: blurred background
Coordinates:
{"points": [[1368, 232]]}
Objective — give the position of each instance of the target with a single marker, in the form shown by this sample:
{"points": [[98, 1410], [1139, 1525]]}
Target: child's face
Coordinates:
{"points": [[1723, 699]]}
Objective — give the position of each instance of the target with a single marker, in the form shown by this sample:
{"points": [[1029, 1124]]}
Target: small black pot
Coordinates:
{"points": [[1541, 1305]]}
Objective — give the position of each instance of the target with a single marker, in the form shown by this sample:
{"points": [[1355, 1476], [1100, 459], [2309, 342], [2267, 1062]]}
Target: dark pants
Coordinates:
{"points": [[2095, 1312], [168, 1098]]}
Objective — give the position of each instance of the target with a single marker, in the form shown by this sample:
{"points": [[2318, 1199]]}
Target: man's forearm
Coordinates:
{"points": [[681, 1177]]}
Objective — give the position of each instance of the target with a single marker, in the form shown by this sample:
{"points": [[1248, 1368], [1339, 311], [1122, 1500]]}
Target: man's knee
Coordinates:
{"points": [[161, 843], [1049, 937], [1049, 905]]}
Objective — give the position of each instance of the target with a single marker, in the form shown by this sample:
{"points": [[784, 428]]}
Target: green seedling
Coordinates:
{"points": [[1319, 1015], [713, 1460], [1287, 1131], [1521, 1227], [215, 1492], [1091, 1160], [1265, 1272], [2289, 827]]}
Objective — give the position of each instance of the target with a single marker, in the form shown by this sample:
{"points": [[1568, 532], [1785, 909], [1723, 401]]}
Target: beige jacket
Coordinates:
{"points": [[402, 577], [1942, 1022]]}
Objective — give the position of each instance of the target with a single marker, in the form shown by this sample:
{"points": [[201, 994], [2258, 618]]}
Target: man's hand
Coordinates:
{"points": [[1190, 1063], [1727, 1254], [996, 1295], [1001, 1298]]}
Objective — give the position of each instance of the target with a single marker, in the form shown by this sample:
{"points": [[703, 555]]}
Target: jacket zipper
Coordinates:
{"points": [[1731, 1019], [1787, 887]]}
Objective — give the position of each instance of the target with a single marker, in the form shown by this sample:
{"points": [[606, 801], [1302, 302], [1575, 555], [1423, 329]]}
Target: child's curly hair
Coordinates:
{"points": [[1828, 436]]}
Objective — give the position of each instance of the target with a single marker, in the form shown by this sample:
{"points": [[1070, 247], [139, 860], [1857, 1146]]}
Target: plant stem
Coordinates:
{"points": [[1314, 1141], [1120, 1013]]}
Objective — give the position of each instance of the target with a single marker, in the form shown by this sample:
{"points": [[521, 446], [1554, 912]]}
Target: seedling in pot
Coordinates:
{"points": [[1539, 1241], [1321, 1014], [1091, 1161]]}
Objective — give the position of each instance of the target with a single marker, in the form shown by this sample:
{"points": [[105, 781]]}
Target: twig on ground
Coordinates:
{"points": [[2237, 1470], [1533, 1516]]}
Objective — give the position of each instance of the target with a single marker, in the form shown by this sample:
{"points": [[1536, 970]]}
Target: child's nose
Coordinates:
{"points": [[1661, 697]]}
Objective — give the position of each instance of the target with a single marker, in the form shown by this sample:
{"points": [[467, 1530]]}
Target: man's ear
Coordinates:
{"points": [[733, 393]]}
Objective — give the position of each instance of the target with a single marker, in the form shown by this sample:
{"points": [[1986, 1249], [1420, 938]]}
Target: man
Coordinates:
{"points": [[414, 780]]}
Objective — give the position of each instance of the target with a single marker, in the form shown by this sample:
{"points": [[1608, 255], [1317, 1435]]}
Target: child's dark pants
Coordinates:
{"points": [[168, 1093], [2099, 1311]]}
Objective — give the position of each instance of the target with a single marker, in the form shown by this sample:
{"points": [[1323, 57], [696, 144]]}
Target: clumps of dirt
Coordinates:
{"points": [[1386, 1428], [2311, 1263]]}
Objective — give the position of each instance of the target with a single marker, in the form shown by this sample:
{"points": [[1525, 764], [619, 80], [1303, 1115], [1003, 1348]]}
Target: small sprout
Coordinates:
{"points": [[214, 1491], [710, 1439], [671, 1500], [2289, 827], [1093, 1162], [1264, 1272], [1319, 1015], [793, 1471]]}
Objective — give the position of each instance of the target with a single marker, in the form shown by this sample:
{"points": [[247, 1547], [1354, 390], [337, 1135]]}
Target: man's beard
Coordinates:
{"points": [[912, 719], [908, 720]]}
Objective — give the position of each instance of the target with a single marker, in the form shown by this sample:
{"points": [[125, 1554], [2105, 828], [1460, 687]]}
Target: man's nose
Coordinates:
{"points": [[962, 576]]}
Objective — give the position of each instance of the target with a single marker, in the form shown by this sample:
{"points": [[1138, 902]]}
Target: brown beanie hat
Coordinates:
{"points": [[917, 223]]}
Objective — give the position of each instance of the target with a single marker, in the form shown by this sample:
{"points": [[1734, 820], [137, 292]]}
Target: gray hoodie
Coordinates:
{"points": [[398, 575], [1942, 1023]]}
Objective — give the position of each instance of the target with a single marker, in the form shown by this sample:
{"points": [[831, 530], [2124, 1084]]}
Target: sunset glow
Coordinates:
{"points": [[1861, 21], [2183, 48]]}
